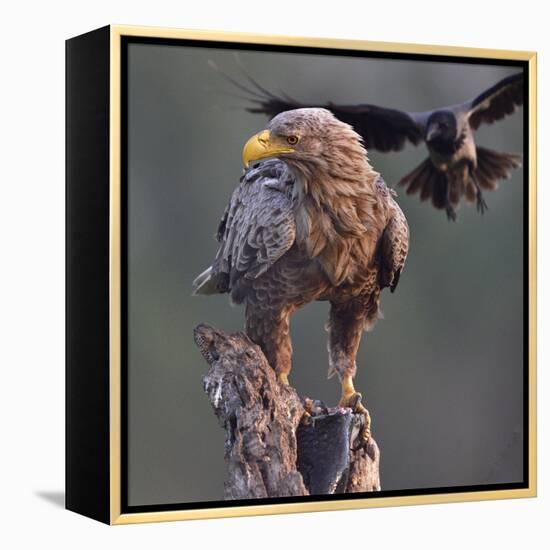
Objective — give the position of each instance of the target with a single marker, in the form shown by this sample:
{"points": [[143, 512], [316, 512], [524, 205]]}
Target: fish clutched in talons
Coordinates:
{"points": [[352, 399], [312, 409], [307, 417]]}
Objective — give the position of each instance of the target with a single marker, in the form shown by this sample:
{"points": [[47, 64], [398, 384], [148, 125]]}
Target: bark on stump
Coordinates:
{"points": [[268, 451]]}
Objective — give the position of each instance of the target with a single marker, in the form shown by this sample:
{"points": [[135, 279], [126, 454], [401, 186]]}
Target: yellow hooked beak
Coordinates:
{"points": [[262, 146]]}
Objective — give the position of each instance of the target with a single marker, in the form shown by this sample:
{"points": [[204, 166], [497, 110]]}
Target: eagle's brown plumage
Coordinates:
{"points": [[315, 223]]}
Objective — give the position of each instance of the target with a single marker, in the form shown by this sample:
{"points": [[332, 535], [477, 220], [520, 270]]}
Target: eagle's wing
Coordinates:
{"points": [[381, 128], [496, 102], [394, 247], [258, 227]]}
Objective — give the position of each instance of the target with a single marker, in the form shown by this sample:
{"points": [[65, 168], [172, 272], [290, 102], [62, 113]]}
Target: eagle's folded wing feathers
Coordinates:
{"points": [[258, 227], [394, 249]]}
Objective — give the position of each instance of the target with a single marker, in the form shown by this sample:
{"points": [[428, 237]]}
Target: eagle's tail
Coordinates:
{"points": [[208, 283]]}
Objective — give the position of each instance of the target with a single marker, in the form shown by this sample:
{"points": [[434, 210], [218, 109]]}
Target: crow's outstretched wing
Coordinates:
{"points": [[257, 228], [496, 102], [381, 128]]}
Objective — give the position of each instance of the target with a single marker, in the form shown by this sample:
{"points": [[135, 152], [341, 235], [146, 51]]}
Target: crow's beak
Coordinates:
{"points": [[432, 133]]}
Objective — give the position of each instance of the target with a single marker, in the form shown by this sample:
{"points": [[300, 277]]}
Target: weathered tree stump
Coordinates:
{"points": [[269, 451]]}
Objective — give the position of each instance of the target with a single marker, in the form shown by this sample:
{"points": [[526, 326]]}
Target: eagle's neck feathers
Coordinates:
{"points": [[336, 205]]}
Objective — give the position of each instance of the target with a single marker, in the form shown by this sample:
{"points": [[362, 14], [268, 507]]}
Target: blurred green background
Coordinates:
{"points": [[441, 374]]}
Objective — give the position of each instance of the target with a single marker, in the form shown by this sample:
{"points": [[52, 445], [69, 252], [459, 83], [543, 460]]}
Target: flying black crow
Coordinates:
{"points": [[456, 167]]}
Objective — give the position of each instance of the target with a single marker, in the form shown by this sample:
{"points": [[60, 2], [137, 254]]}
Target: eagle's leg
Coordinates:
{"points": [[346, 324], [270, 329], [352, 399]]}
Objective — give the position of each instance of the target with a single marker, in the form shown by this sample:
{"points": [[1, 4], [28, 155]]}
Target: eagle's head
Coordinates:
{"points": [[311, 140]]}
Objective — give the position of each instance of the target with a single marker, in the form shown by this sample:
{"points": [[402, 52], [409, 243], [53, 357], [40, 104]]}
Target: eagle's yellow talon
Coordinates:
{"points": [[306, 419], [352, 399], [283, 378]]}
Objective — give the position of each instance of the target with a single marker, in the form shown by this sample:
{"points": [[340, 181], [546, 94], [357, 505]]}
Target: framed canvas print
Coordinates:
{"points": [[241, 209]]}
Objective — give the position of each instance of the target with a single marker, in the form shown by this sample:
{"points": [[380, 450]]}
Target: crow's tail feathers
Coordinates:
{"points": [[430, 182], [491, 167], [445, 189]]}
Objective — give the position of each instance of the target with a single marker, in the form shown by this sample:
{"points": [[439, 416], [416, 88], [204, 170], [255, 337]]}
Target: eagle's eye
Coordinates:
{"points": [[292, 140]]}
